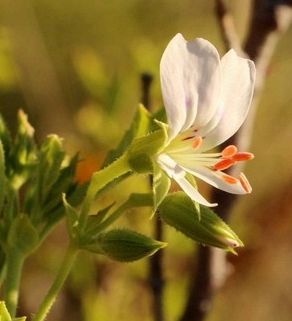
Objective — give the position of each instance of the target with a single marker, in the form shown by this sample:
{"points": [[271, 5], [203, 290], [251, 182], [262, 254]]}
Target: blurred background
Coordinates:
{"points": [[75, 67]]}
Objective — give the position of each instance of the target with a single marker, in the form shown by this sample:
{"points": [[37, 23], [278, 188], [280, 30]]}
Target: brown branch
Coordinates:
{"points": [[227, 28], [269, 20], [155, 274], [156, 279]]}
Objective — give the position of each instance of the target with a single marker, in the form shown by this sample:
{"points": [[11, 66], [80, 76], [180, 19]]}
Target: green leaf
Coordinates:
{"points": [[161, 185], [178, 211], [4, 314], [125, 245], [22, 236]]}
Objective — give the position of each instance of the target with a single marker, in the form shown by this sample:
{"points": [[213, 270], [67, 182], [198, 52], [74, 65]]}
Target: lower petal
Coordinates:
{"points": [[219, 180], [173, 170], [192, 192]]}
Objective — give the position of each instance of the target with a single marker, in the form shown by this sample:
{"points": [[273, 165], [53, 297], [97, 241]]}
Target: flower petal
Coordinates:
{"points": [[238, 79], [174, 171], [192, 192], [217, 179], [190, 78]]}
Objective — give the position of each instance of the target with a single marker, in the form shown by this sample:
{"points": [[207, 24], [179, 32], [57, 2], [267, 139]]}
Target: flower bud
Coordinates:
{"points": [[179, 211], [124, 245]]}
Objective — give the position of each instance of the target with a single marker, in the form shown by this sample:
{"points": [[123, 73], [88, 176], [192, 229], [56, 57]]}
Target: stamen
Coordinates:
{"points": [[245, 183], [242, 156], [229, 151], [197, 142], [223, 164], [229, 179]]}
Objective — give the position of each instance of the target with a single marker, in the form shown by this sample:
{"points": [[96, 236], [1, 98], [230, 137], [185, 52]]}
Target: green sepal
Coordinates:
{"points": [[142, 150], [4, 314], [72, 220], [160, 186], [92, 231], [141, 163], [125, 245], [160, 116], [94, 221], [139, 127], [22, 236], [178, 211]]}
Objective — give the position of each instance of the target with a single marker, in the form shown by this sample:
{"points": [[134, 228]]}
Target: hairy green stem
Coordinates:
{"points": [[14, 264], [57, 284]]}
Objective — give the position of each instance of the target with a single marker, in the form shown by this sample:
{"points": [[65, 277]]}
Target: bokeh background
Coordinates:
{"points": [[74, 67]]}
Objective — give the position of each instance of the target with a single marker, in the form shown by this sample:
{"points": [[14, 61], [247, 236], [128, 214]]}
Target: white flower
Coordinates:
{"points": [[206, 101]]}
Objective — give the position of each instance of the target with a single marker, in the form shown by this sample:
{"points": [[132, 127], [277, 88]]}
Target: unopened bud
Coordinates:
{"points": [[179, 211]]}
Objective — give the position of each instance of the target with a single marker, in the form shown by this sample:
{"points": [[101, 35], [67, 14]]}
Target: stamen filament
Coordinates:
{"points": [[245, 183]]}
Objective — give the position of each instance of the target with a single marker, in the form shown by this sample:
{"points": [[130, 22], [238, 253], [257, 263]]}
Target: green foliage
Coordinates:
{"points": [[125, 245], [32, 181], [178, 211], [23, 236]]}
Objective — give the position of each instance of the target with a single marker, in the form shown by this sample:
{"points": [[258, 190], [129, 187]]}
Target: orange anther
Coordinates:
{"points": [[229, 151], [197, 142], [245, 183], [229, 179], [224, 164], [243, 156]]}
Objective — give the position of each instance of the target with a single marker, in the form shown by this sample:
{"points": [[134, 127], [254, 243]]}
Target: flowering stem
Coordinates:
{"points": [[99, 180], [14, 264], [57, 284]]}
